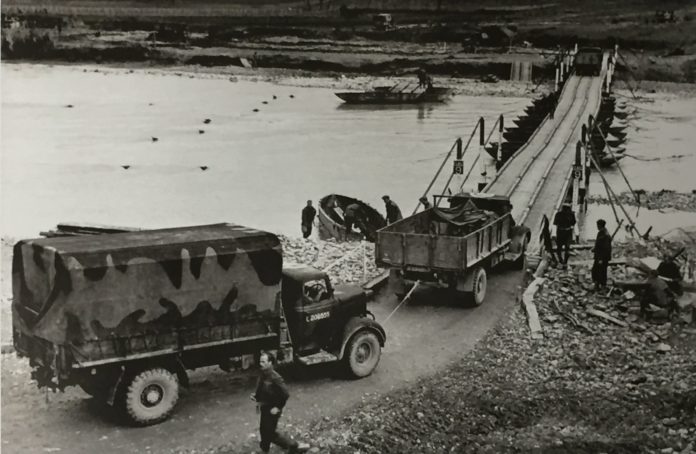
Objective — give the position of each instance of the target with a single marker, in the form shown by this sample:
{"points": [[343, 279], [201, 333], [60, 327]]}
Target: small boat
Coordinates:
{"points": [[608, 160], [618, 135], [616, 129], [397, 94], [621, 115], [331, 219]]}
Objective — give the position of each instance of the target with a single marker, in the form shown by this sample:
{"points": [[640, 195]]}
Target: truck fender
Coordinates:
{"points": [[111, 396], [520, 235], [356, 324]]}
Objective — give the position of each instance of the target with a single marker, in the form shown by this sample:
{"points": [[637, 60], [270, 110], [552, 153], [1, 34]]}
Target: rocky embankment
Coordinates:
{"points": [[655, 200], [591, 385]]}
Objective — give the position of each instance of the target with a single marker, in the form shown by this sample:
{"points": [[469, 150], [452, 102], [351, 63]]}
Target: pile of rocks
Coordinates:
{"points": [[655, 200], [345, 262]]}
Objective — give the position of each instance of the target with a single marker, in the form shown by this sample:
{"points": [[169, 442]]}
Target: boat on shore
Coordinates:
{"points": [[332, 224], [397, 94]]}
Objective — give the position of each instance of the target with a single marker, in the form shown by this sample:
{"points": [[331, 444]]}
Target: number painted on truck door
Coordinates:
{"points": [[318, 316]]}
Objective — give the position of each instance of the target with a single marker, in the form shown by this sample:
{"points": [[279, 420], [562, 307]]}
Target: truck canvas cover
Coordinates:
{"points": [[83, 290]]}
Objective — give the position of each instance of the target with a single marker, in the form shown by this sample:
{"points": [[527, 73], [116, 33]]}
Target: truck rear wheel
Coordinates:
{"points": [[479, 281], [151, 396], [362, 353]]}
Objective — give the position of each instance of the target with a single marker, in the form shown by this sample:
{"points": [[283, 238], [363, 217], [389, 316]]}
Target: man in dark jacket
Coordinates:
{"points": [[602, 255], [393, 211], [308, 214], [270, 396], [564, 222], [668, 270], [350, 217]]}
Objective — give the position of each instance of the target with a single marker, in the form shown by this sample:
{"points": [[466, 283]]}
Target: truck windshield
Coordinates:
{"points": [[316, 290]]}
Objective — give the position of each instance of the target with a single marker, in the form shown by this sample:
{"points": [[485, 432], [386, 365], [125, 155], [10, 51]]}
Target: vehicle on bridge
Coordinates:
{"points": [[452, 247], [125, 315], [588, 61]]}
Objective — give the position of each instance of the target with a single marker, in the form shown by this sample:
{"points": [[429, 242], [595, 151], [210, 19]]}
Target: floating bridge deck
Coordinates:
{"points": [[535, 177]]}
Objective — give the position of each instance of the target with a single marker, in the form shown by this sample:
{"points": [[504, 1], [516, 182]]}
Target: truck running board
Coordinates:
{"points": [[317, 358]]}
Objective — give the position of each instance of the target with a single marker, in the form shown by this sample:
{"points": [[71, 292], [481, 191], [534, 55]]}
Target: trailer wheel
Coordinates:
{"points": [[362, 353], [151, 396], [478, 286]]}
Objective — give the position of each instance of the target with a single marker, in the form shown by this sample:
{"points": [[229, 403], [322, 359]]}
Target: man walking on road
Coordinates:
{"points": [[602, 255], [393, 211], [564, 222], [308, 214], [270, 396]]}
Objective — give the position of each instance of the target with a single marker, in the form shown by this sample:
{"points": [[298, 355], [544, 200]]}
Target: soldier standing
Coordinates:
{"points": [[308, 214], [393, 211], [564, 222], [602, 255], [270, 396]]}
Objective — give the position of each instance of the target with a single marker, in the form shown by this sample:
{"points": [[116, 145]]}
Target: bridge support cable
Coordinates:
{"points": [[455, 146], [483, 143], [611, 193], [608, 147], [479, 127]]}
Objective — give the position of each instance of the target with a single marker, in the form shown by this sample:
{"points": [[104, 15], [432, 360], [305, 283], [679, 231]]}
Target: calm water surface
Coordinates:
{"points": [[65, 164]]}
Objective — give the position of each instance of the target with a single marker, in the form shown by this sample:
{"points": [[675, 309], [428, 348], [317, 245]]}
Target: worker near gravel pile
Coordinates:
{"points": [[271, 395], [602, 255], [308, 213], [393, 210], [669, 271], [564, 222], [350, 217]]}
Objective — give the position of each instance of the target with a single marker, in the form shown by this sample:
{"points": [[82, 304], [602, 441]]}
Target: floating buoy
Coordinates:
{"points": [[155, 139], [126, 167], [275, 97], [256, 110], [201, 131], [264, 102], [206, 121], [292, 96], [204, 168]]}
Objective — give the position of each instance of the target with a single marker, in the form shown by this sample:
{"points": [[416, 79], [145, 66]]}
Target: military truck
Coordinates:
{"points": [[452, 247], [125, 315]]}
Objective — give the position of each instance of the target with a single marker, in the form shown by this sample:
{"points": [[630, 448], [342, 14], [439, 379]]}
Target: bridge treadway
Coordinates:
{"points": [[535, 176]]}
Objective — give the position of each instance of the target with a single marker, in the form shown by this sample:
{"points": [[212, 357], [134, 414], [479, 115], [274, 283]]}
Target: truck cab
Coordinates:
{"points": [[328, 323]]}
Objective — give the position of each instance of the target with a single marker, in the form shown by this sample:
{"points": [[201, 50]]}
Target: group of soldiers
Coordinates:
{"points": [[352, 216], [662, 286]]}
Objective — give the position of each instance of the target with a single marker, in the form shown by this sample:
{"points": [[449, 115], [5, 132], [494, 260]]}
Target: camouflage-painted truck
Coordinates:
{"points": [[125, 315]]}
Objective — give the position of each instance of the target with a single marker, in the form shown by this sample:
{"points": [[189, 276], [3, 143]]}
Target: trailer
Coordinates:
{"points": [[452, 247], [125, 315], [588, 61]]}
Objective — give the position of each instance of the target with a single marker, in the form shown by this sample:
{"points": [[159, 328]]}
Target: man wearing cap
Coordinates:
{"points": [[424, 201], [602, 255], [308, 213], [564, 222], [393, 211]]}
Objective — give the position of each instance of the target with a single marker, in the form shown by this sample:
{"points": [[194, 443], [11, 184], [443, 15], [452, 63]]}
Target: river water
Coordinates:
{"points": [[63, 163]]}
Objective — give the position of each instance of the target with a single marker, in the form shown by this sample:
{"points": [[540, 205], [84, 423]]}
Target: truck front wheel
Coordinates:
{"points": [[362, 353], [151, 396]]}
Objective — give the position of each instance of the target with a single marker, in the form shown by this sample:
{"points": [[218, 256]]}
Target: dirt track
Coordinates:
{"points": [[424, 336]]}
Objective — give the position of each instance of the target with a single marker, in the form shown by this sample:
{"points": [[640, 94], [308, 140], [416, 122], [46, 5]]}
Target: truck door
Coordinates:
{"points": [[314, 316]]}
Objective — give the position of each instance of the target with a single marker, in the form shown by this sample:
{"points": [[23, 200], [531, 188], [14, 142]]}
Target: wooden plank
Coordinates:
{"points": [[619, 261], [376, 282], [605, 316]]}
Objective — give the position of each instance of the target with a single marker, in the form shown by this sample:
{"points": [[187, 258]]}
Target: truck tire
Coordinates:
{"points": [[151, 396], [362, 353], [479, 281]]}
